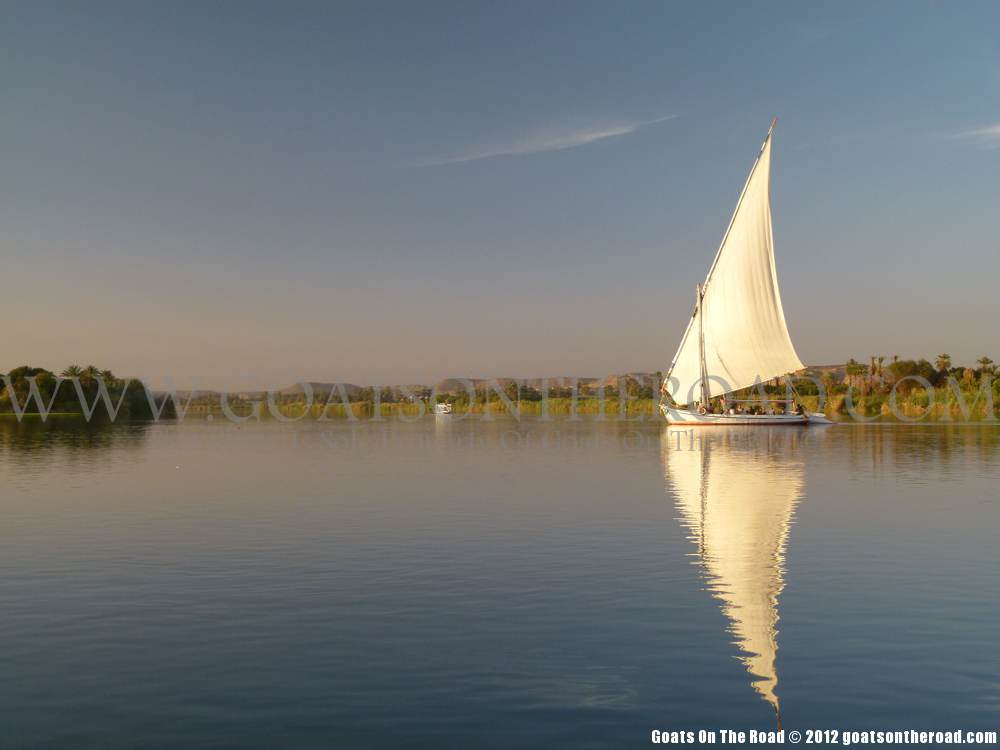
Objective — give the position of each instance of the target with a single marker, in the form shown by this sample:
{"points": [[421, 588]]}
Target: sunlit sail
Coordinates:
{"points": [[737, 336], [738, 506]]}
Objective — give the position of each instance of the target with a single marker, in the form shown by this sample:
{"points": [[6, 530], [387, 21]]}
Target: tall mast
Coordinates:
{"points": [[701, 347]]}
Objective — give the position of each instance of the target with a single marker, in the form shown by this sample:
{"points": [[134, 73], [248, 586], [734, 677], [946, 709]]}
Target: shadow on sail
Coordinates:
{"points": [[737, 493]]}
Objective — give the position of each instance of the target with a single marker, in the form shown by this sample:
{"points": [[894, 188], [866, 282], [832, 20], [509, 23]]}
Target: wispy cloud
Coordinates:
{"points": [[988, 137], [551, 140], [807, 34]]}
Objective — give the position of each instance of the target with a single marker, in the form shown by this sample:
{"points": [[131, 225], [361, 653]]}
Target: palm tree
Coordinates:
{"points": [[876, 369], [827, 379], [943, 362], [985, 367], [89, 373], [73, 371], [855, 372]]}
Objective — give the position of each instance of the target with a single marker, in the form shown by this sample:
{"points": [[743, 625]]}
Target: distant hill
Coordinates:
{"points": [[642, 378], [836, 371], [457, 385], [321, 389]]}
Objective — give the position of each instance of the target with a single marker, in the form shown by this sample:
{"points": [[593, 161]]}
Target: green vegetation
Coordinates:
{"points": [[907, 389], [613, 408], [88, 392], [903, 389]]}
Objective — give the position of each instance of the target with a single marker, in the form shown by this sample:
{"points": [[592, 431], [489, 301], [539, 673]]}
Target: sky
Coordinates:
{"points": [[251, 194]]}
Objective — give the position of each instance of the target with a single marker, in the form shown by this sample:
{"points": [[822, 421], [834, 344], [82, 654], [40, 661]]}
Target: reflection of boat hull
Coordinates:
{"points": [[692, 418]]}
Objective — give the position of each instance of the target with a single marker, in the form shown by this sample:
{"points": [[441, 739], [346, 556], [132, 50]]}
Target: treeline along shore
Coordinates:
{"points": [[898, 389], [87, 392]]}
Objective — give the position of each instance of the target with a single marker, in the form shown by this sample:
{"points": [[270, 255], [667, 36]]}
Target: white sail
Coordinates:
{"points": [[746, 338], [738, 508]]}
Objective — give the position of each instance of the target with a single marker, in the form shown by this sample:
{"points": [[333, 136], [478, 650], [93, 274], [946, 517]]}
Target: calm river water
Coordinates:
{"points": [[472, 584]]}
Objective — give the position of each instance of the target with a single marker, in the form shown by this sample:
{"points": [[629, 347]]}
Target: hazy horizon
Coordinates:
{"points": [[255, 195]]}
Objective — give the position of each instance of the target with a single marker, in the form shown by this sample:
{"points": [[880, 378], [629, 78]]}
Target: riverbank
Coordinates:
{"points": [[941, 406]]}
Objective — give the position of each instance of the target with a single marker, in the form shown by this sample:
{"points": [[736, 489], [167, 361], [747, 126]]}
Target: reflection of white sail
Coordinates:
{"points": [[738, 505]]}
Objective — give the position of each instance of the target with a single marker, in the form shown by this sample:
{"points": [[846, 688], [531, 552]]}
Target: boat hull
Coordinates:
{"points": [[694, 419]]}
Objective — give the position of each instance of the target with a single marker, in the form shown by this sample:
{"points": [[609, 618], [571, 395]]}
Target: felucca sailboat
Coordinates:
{"points": [[737, 336]]}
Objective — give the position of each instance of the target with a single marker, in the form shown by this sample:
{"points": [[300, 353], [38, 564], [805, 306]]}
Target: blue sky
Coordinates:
{"points": [[259, 193]]}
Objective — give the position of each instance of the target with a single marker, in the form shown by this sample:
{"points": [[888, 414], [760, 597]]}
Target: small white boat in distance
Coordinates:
{"points": [[737, 336], [442, 409]]}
